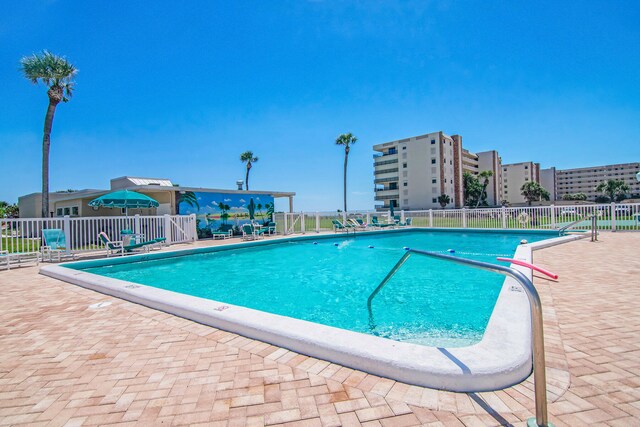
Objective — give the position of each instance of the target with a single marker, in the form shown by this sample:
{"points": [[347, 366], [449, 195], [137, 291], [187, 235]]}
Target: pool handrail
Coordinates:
{"points": [[539, 364], [576, 222]]}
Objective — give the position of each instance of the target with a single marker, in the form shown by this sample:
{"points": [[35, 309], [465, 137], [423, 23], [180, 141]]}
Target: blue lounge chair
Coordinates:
{"points": [[374, 221], [338, 226], [54, 245], [249, 232]]}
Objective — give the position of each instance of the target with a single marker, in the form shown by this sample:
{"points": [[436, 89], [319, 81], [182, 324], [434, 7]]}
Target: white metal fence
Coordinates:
{"points": [[612, 216], [81, 234]]}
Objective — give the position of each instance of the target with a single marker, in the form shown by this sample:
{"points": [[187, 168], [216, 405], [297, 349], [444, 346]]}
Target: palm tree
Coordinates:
{"points": [[484, 175], [346, 139], [532, 191], [248, 158], [614, 189], [190, 198], [57, 74], [444, 200]]}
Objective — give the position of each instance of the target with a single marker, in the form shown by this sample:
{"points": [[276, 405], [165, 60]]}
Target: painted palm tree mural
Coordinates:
{"points": [[222, 211]]}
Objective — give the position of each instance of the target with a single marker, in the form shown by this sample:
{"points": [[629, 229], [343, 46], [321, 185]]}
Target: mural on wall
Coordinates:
{"points": [[224, 212]]}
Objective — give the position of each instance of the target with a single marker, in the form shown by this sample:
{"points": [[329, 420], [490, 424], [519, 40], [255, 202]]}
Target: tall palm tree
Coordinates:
{"points": [[57, 74], [346, 139], [248, 158], [614, 189]]}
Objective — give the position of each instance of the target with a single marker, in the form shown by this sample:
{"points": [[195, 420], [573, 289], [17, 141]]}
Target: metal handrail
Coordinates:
{"points": [[576, 222], [539, 374]]}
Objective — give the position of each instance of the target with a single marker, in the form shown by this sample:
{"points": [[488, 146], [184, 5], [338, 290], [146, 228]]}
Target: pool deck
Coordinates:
{"points": [[64, 363]]}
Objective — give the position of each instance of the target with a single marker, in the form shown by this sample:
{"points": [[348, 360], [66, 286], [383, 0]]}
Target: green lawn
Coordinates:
{"points": [[20, 245]]}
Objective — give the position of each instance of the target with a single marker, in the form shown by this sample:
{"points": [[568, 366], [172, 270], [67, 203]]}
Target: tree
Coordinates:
{"points": [[484, 176], [615, 189], [444, 200], [8, 211], [248, 158], [57, 74], [472, 189], [532, 191], [347, 140], [190, 198]]}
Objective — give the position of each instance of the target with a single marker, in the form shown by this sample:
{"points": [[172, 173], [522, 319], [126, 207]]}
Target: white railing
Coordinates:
{"points": [[611, 216], [81, 234]]}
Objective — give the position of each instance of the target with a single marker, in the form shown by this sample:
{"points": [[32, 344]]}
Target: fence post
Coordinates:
{"points": [[402, 216], [302, 225], [167, 228], [464, 217], [504, 217], [66, 228], [136, 224], [553, 216], [285, 230], [368, 217], [317, 222], [431, 218], [344, 217], [613, 216], [193, 227]]}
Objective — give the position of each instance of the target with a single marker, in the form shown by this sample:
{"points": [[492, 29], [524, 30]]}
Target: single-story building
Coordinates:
{"points": [[173, 200]]}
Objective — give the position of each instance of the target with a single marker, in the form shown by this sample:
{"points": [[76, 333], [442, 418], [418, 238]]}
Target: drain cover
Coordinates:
{"points": [[100, 304]]}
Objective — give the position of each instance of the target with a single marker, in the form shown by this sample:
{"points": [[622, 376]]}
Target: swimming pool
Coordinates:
{"points": [[436, 324], [328, 281]]}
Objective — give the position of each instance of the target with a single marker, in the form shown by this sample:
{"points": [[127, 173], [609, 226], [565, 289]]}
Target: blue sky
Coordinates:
{"points": [[180, 89]]}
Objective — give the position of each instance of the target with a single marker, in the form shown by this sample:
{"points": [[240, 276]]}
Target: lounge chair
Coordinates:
{"points": [[221, 234], [359, 225], [374, 221], [249, 232], [338, 226], [16, 259], [54, 245], [270, 228], [118, 246], [406, 223]]}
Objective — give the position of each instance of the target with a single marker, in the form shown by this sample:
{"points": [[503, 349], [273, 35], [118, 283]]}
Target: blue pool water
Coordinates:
{"points": [[428, 301]]}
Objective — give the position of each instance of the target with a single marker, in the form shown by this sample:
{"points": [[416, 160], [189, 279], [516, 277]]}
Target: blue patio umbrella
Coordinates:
{"points": [[124, 199]]}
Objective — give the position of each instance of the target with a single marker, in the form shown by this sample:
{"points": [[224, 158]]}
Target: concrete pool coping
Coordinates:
{"points": [[502, 358]]}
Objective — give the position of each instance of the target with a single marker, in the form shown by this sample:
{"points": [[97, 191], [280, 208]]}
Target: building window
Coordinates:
{"points": [[450, 162], [434, 200], [433, 141], [75, 211], [434, 181], [404, 148], [433, 161], [59, 212], [404, 184], [526, 167], [392, 151], [406, 201], [404, 165]]}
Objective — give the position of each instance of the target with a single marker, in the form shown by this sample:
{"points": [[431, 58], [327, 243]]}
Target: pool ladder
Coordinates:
{"points": [[539, 367], [594, 226]]}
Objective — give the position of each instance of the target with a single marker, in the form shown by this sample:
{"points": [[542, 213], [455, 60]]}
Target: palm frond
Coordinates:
{"points": [[49, 69]]}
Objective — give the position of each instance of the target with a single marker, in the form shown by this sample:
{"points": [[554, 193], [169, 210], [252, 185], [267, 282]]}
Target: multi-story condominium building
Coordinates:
{"points": [[585, 180], [548, 182], [514, 176], [412, 173]]}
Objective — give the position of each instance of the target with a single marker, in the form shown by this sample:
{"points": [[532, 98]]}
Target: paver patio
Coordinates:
{"points": [[65, 363]]}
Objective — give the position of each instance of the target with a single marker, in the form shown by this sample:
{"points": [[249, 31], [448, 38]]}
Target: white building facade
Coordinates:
{"points": [[585, 180]]}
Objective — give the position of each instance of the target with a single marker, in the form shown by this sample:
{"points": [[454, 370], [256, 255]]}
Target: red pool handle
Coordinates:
{"points": [[531, 266]]}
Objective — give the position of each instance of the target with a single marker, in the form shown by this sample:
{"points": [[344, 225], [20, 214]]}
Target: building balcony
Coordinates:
{"points": [[385, 169], [380, 192], [386, 197], [385, 156]]}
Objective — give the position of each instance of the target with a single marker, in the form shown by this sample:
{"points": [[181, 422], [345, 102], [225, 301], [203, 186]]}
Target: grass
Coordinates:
{"points": [[20, 245]]}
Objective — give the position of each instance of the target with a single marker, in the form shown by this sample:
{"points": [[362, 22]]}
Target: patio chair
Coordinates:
{"points": [[54, 245], [16, 259], [118, 246], [270, 228], [359, 225], [338, 226], [249, 232], [374, 221]]}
